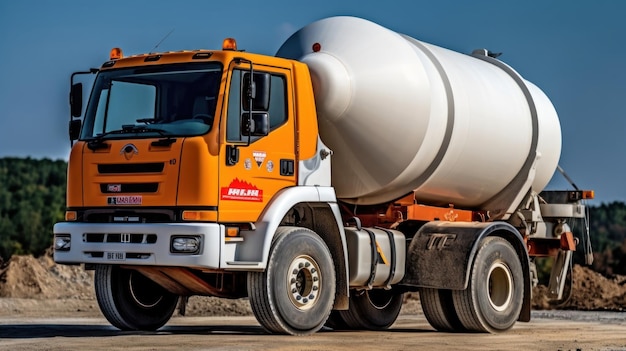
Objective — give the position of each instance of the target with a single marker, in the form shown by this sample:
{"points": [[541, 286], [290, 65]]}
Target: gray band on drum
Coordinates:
{"points": [[450, 120], [502, 200]]}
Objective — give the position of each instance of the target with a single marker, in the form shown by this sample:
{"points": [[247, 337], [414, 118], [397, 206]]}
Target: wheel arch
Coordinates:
{"points": [[318, 210], [325, 224], [441, 255]]}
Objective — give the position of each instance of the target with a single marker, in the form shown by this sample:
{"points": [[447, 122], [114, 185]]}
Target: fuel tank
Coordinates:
{"points": [[378, 256], [403, 115]]}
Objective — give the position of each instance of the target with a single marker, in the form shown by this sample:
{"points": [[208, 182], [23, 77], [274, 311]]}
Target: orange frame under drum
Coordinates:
{"points": [[433, 213]]}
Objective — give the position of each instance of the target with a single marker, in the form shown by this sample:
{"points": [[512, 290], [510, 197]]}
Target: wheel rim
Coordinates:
{"points": [[303, 281], [143, 290], [500, 283]]}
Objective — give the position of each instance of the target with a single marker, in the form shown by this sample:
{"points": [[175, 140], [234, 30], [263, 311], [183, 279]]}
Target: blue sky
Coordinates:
{"points": [[572, 49]]}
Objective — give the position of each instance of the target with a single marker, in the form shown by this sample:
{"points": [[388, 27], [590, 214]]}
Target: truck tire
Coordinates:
{"points": [[130, 301], [375, 309], [296, 292], [438, 307], [493, 299]]}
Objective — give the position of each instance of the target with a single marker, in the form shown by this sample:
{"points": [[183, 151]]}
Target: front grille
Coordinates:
{"points": [[129, 188], [119, 238], [137, 215], [155, 167]]}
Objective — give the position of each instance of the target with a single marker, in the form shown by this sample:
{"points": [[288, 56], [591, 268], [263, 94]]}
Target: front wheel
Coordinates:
{"points": [[131, 301], [296, 292], [493, 299]]}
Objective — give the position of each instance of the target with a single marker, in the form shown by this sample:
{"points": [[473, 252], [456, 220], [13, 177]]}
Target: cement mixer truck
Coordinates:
{"points": [[322, 183]]}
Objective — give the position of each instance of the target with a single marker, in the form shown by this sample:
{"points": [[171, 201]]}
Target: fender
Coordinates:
{"points": [[252, 254], [257, 242], [442, 253]]}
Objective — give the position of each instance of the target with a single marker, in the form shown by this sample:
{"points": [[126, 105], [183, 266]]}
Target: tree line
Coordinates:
{"points": [[608, 237], [32, 199]]}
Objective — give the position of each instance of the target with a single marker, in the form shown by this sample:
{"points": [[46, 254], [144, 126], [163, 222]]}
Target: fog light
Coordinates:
{"points": [[62, 242], [185, 244]]}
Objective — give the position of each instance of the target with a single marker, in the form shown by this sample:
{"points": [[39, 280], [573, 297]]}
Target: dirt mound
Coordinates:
{"points": [[41, 278], [26, 277], [591, 291]]}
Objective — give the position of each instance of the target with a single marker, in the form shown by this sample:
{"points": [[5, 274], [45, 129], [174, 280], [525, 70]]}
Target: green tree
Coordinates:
{"points": [[32, 199], [607, 225]]}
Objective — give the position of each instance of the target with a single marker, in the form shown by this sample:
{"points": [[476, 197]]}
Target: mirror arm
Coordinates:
{"points": [[250, 88], [91, 71], [249, 93]]}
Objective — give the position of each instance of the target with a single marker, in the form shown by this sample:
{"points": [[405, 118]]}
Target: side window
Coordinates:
{"points": [[236, 111], [278, 105]]}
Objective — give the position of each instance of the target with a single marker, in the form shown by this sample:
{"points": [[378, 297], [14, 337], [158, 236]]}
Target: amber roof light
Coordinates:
{"points": [[229, 44], [116, 54]]}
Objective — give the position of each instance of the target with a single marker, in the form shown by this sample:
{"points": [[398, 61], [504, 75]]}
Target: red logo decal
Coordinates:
{"points": [[239, 190]]}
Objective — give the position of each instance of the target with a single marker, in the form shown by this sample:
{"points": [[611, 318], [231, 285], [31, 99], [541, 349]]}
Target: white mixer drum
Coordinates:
{"points": [[403, 115]]}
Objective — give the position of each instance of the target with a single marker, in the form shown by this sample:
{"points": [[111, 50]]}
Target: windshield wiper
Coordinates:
{"points": [[167, 141], [148, 120], [132, 128], [98, 141]]}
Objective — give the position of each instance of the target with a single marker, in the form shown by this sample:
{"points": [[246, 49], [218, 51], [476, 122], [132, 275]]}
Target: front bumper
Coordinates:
{"points": [[140, 244]]}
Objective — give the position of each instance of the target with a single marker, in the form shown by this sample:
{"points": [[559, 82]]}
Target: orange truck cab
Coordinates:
{"points": [[171, 138]]}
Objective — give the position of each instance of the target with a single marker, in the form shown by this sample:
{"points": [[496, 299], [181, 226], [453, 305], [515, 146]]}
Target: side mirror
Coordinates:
{"points": [[74, 129], [76, 99], [256, 125], [258, 90]]}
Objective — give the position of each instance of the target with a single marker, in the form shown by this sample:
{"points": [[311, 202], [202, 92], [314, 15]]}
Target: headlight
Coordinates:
{"points": [[185, 244], [62, 242]]}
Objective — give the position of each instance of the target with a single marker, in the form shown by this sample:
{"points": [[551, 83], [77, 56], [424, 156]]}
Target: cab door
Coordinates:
{"points": [[253, 168]]}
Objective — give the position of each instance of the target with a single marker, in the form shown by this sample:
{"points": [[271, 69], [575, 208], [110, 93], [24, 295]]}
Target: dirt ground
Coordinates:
{"points": [[44, 306], [39, 287]]}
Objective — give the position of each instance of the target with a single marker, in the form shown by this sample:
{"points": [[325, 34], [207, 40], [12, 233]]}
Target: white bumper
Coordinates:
{"points": [[140, 244]]}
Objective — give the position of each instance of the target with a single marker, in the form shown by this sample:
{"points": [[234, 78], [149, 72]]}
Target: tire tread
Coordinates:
{"points": [[105, 298], [438, 307]]}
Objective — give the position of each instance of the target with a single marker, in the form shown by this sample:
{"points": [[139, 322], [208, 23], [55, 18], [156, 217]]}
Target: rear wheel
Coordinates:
{"points": [[438, 307], [493, 299], [296, 292], [131, 301], [375, 309]]}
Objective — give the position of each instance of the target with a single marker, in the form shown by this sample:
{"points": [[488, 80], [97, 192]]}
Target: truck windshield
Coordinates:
{"points": [[172, 100]]}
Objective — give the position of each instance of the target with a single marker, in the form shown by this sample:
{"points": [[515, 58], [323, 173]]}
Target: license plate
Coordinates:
{"points": [[124, 200], [115, 256]]}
